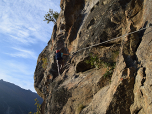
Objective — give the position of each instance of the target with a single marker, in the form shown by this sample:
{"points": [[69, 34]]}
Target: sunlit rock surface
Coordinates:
{"points": [[82, 88]]}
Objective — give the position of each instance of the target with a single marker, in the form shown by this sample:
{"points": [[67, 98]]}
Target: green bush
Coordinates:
{"points": [[45, 62], [51, 16], [38, 107], [95, 61], [110, 69]]}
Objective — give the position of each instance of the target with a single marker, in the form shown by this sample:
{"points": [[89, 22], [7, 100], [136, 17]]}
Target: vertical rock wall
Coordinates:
{"points": [[83, 89]]}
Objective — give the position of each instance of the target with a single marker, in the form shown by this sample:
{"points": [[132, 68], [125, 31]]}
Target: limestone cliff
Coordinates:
{"points": [[101, 87]]}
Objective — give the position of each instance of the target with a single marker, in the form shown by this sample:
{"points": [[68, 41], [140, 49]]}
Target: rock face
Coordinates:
{"points": [[98, 86]]}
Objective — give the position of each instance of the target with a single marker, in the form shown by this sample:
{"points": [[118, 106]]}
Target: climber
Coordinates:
{"points": [[59, 60]]}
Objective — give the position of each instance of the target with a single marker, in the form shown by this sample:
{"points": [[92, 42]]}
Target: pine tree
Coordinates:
{"points": [[51, 16]]}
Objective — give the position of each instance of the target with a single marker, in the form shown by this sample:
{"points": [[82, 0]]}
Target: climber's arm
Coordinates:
{"points": [[65, 54]]}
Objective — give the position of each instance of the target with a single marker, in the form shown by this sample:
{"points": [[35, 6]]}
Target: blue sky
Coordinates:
{"points": [[23, 35]]}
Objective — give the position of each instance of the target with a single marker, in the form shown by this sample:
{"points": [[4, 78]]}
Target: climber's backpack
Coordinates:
{"points": [[58, 56]]}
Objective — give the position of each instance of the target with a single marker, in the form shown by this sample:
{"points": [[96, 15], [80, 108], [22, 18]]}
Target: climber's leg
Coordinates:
{"points": [[58, 66]]}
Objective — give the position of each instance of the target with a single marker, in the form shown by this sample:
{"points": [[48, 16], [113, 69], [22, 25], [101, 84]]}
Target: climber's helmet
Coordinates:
{"points": [[57, 51]]}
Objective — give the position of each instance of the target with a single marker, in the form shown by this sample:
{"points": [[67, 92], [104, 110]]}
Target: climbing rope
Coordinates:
{"points": [[150, 25]]}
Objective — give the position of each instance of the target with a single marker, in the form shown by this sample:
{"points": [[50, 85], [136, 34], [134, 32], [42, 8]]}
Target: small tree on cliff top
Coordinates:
{"points": [[51, 16]]}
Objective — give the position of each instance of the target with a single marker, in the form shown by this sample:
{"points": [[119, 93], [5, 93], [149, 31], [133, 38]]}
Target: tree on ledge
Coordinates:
{"points": [[51, 16]]}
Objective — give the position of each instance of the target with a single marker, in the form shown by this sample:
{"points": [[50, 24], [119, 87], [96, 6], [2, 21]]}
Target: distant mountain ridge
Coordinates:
{"points": [[15, 100]]}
